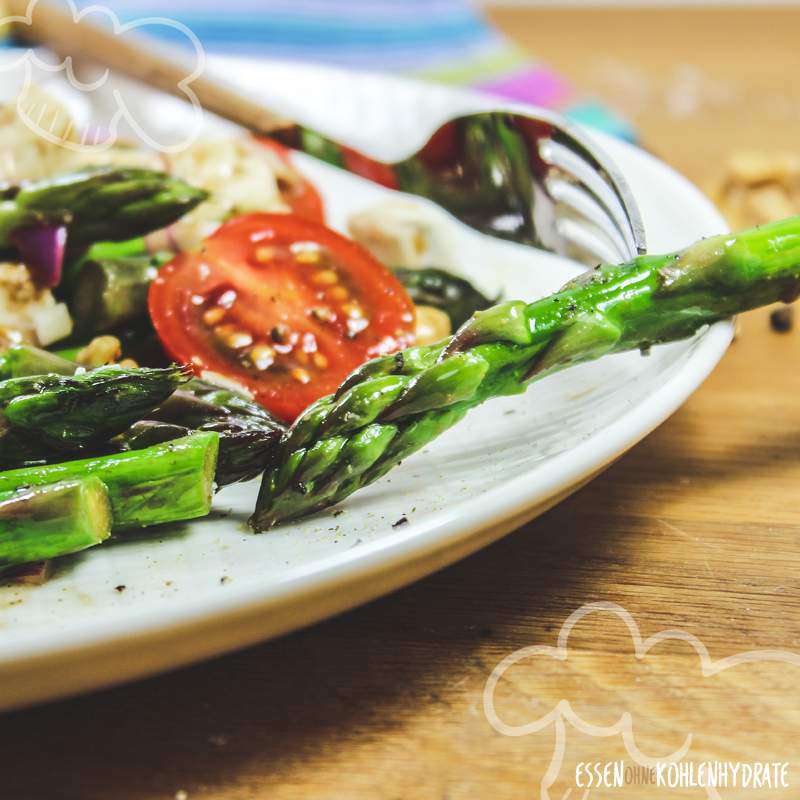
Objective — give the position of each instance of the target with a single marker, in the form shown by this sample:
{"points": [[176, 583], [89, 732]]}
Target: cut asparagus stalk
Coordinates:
{"points": [[393, 406], [244, 451], [110, 292], [73, 412], [166, 483], [248, 433], [42, 522], [98, 205]]}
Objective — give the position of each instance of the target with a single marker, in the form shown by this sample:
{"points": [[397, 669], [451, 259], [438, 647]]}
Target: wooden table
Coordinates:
{"points": [[698, 528]]}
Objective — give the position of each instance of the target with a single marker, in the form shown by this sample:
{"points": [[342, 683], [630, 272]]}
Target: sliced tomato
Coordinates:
{"points": [[300, 194], [280, 305]]}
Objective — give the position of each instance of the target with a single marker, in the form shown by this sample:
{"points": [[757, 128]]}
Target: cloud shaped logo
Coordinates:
{"points": [[45, 120], [563, 713]]}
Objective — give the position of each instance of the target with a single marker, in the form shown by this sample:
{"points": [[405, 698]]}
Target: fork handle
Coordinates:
{"points": [[143, 60]]}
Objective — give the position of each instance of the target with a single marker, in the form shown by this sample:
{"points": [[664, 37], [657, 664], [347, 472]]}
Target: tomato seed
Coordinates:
{"points": [[323, 314], [301, 375], [355, 326], [338, 293], [353, 310], [304, 247], [227, 298], [308, 257], [265, 254], [263, 356], [214, 316], [320, 361], [240, 339], [233, 337], [325, 277], [309, 343]]}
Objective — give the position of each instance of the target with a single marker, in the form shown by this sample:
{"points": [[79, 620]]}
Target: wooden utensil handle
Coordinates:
{"points": [[142, 60]]}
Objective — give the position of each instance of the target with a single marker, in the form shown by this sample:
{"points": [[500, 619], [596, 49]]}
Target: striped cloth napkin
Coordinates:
{"points": [[442, 40]]}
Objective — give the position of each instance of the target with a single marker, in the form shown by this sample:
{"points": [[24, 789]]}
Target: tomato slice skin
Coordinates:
{"points": [[282, 306], [302, 197]]}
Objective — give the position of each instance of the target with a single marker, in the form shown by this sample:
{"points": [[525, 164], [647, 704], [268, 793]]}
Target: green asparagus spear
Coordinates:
{"points": [[72, 412], [20, 449], [17, 447], [225, 401], [248, 434], [110, 292], [130, 248], [243, 453], [393, 406], [165, 483], [97, 205], [23, 360], [56, 519], [430, 286]]}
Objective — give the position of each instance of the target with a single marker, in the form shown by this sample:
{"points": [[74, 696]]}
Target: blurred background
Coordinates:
{"points": [[711, 88]]}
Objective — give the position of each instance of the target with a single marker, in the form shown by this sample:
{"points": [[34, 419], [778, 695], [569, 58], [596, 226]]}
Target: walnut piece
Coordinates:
{"points": [[432, 325], [100, 351], [759, 187]]}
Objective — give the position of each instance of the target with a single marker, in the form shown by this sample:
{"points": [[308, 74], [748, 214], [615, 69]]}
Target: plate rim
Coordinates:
{"points": [[500, 509]]}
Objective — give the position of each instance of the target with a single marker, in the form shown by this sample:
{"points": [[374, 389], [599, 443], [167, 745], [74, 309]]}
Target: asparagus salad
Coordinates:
{"points": [[172, 325]]}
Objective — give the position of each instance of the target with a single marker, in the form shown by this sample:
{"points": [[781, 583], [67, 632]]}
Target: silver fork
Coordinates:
{"points": [[531, 177], [534, 179]]}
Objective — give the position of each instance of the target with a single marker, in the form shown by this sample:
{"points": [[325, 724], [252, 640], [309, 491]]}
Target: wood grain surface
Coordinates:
{"points": [[697, 529]]}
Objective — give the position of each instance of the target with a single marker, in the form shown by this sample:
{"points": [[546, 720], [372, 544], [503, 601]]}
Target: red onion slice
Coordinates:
{"points": [[42, 250]]}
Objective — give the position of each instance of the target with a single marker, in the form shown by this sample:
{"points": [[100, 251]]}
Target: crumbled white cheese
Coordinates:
{"points": [[400, 233], [240, 175], [29, 313]]}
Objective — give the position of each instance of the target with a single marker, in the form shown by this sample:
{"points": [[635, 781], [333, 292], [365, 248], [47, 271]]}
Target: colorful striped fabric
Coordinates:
{"points": [[443, 40]]}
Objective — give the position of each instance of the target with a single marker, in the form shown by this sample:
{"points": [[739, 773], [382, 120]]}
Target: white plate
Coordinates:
{"points": [[204, 588]]}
